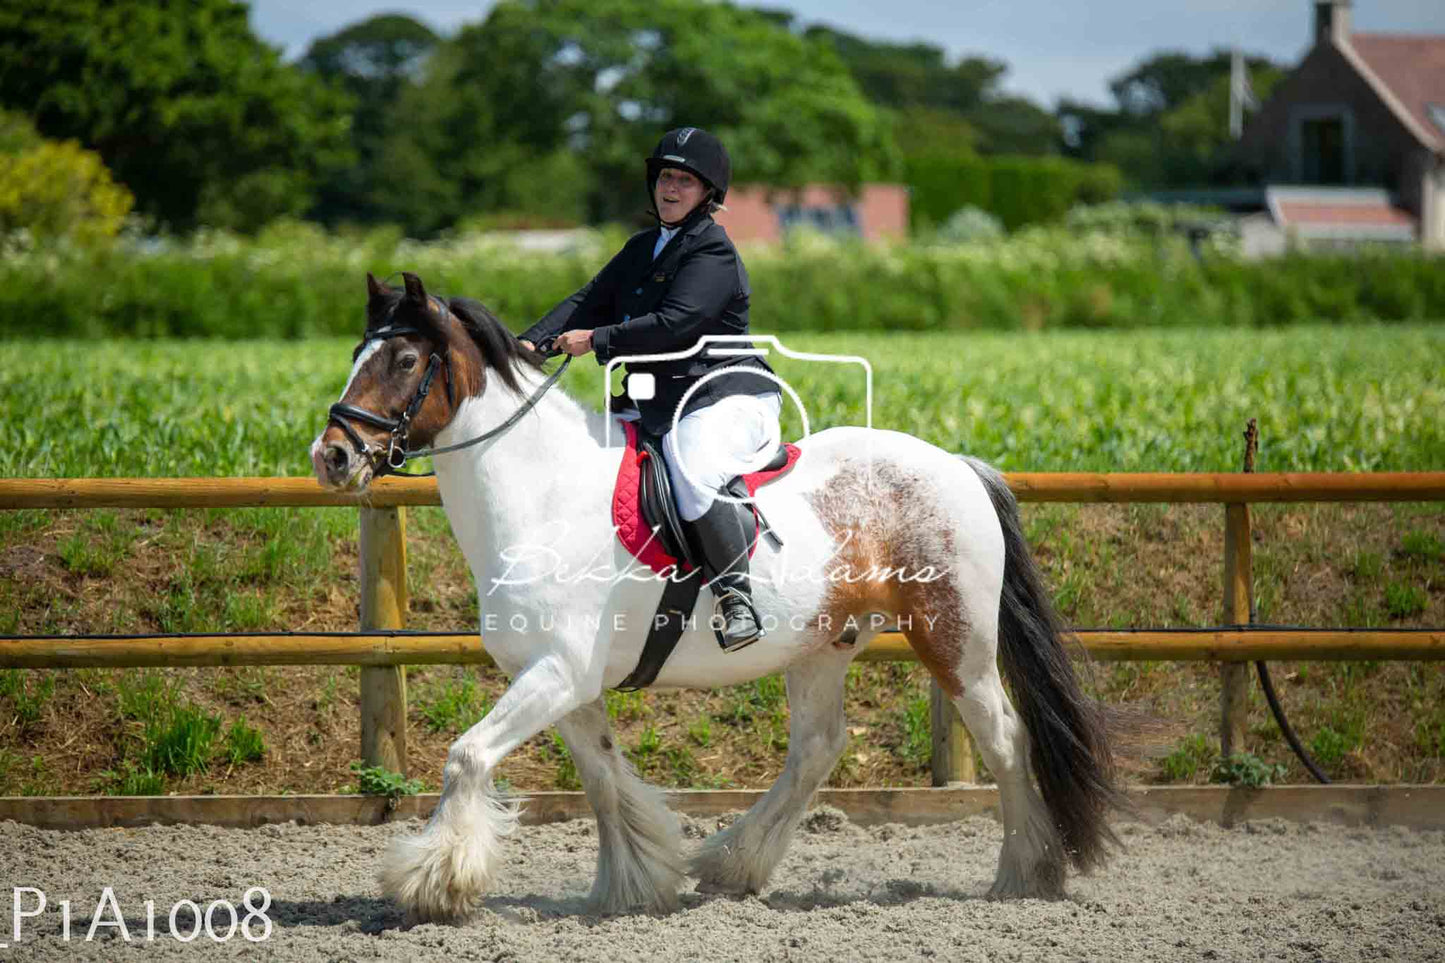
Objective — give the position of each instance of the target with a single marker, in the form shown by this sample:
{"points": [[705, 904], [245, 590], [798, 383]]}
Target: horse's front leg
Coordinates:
{"points": [[443, 872]]}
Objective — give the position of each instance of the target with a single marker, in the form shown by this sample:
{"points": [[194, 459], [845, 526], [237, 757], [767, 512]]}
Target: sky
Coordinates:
{"points": [[1054, 48]]}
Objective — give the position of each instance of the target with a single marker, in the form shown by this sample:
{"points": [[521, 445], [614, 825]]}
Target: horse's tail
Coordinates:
{"points": [[1068, 731]]}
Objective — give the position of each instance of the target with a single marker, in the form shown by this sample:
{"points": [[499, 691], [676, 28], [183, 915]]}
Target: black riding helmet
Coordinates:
{"points": [[696, 151]]}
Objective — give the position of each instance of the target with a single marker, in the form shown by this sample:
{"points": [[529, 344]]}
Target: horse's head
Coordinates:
{"points": [[419, 359]]}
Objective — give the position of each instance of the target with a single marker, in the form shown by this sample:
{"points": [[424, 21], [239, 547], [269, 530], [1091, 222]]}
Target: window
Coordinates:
{"points": [[837, 219], [1322, 149]]}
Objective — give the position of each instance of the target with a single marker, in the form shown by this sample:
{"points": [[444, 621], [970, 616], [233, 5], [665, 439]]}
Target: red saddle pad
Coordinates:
{"points": [[627, 518]]}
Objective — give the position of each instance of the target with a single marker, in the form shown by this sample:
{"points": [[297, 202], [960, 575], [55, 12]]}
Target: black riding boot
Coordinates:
{"points": [[721, 538]]}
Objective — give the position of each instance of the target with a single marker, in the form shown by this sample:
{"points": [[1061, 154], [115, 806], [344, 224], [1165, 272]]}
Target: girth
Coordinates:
{"points": [[681, 589]]}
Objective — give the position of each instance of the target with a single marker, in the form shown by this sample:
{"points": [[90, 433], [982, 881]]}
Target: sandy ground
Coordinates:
{"points": [[1179, 891]]}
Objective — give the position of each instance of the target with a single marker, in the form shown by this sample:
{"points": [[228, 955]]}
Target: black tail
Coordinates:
{"points": [[1068, 731]]}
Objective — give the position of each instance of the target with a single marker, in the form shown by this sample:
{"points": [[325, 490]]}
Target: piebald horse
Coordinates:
{"points": [[879, 529]]}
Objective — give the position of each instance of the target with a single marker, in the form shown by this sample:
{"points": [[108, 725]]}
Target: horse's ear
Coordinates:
{"points": [[375, 290], [415, 293]]}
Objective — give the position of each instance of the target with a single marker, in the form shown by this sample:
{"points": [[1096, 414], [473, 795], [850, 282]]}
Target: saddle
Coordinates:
{"points": [[645, 517]]}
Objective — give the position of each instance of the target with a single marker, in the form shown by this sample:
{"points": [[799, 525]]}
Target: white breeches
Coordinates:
{"points": [[731, 437]]}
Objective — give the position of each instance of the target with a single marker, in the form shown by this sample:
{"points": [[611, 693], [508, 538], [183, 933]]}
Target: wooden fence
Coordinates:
{"points": [[382, 649]]}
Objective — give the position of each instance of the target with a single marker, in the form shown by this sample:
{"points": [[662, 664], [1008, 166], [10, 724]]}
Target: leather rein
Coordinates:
{"points": [[397, 453]]}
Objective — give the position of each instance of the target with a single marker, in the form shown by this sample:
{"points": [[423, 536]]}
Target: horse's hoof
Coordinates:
{"points": [[714, 888], [1046, 881]]}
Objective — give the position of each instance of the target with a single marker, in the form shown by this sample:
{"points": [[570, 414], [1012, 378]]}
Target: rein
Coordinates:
{"points": [[397, 452]]}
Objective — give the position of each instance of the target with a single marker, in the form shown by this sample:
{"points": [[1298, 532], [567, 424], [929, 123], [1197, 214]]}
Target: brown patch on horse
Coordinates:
{"points": [[896, 553]]}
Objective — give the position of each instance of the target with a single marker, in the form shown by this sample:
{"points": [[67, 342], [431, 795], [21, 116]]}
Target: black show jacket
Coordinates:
{"points": [[637, 305]]}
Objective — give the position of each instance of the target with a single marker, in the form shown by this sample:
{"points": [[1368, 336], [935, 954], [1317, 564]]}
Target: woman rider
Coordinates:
{"points": [[668, 287]]}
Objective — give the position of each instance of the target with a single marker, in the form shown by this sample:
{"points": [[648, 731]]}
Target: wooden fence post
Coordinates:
{"points": [[1238, 594], [383, 606], [952, 748]]}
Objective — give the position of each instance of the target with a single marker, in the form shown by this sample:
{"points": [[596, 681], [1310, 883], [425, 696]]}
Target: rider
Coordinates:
{"points": [[665, 289]]}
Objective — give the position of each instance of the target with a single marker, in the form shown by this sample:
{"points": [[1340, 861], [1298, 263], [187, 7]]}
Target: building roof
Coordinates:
{"points": [[1412, 67], [1340, 213]]}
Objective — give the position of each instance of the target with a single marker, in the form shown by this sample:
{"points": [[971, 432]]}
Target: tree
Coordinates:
{"points": [[55, 190], [191, 111], [913, 74], [1169, 125], [920, 130], [1164, 81], [375, 61], [1015, 125], [917, 80], [1197, 130], [601, 81]]}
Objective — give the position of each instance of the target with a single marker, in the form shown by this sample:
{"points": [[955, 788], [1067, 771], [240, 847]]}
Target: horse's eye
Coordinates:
{"points": [[406, 362]]}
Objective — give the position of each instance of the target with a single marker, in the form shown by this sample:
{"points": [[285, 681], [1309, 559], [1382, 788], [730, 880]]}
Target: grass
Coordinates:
{"points": [[1333, 743], [1423, 546], [700, 731], [453, 706], [566, 767], [26, 694], [182, 741], [1328, 399], [917, 745], [131, 780], [244, 743], [1339, 398], [1193, 756], [1403, 601]]}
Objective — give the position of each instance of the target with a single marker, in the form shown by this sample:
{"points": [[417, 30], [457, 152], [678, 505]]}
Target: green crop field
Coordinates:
{"points": [[1336, 398], [1353, 398]]}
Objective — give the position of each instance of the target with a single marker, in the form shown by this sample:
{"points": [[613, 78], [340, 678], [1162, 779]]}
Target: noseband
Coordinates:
{"points": [[397, 453]]}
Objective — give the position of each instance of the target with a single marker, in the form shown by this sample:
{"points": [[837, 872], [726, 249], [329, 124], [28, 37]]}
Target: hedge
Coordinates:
{"points": [[302, 282], [1017, 190]]}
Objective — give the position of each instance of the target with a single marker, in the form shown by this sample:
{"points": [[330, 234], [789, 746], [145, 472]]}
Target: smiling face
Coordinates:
{"points": [[676, 193]]}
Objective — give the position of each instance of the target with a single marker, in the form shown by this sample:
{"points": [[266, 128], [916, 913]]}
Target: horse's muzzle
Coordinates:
{"points": [[336, 466]]}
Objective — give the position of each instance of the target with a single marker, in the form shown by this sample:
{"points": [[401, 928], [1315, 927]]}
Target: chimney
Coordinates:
{"points": [[1332, 22]]}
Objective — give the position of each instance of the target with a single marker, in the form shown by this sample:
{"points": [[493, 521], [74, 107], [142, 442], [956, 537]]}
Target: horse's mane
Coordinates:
{"points": [[500, 349], [499, 346]]}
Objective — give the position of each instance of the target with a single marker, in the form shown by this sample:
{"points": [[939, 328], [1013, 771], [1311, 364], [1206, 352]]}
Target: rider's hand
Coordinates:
{"points": [[527, 344], [574, 343]]}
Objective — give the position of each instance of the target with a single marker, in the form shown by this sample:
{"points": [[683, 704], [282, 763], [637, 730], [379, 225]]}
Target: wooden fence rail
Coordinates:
{"points": [[393, 492], [378, 649], [383, 591]]}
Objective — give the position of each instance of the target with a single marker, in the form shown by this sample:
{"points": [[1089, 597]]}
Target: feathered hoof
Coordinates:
{"points": [[720, 866], [639, 863], [660, 902], [436, 877], [712, 887], [1044, 880]]}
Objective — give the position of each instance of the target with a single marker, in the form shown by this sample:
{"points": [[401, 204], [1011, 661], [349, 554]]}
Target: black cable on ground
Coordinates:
{"points": [[1299, 750]]}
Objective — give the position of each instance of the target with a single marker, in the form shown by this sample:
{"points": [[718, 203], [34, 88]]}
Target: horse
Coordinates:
{"points": [[525, 477]]}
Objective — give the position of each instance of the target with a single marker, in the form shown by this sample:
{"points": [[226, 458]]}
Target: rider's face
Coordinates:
{"points": [[677, 193]]}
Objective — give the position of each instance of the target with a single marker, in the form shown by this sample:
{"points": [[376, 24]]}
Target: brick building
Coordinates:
{"points": [[1361, 121], [758, 213]]}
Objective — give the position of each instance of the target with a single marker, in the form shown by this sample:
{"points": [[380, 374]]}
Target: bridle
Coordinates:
{"points": [[397, 453]]}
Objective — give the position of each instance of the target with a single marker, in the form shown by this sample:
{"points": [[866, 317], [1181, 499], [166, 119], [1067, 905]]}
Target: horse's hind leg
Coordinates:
{"points": [[963, 660], [639, 843], [742, 857]]}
